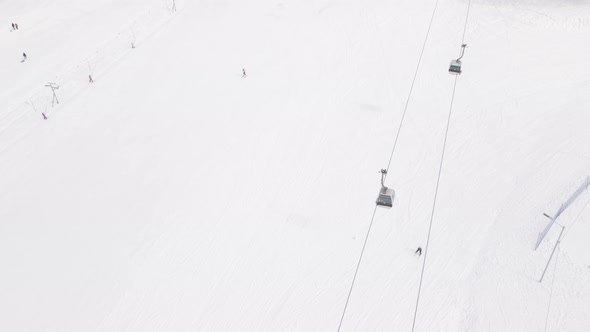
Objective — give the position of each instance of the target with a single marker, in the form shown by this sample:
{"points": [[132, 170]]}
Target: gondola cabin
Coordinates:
{"points": [[455, 67], [385, 197]]}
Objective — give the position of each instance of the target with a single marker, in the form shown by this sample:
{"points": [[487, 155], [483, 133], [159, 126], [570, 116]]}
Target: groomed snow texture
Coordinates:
{"points": [[174, 195]]}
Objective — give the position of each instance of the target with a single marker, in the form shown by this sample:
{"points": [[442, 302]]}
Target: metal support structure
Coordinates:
{"points": [[552, 252], [562, 208], [462, 51], [53, 87], [383, 174]]}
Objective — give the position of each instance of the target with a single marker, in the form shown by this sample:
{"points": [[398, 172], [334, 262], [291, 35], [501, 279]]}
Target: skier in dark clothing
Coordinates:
{"points": [[13, 28], [24, 56], [418, 251], [16, 26]]}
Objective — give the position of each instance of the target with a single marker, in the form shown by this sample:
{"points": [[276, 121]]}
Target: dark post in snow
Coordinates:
{"points": [[53, 87], [133, 35], [552, 252]]}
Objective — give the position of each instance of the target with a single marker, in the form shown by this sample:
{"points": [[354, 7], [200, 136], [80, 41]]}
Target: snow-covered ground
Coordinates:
{"points": [[173, 194]]}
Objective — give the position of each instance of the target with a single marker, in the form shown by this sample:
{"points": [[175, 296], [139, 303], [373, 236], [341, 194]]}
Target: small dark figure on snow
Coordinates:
{"points": [[44, 117], [243, 72], [418, 251], [13, 27], [16, 26], [24, 56], [90, 80]]}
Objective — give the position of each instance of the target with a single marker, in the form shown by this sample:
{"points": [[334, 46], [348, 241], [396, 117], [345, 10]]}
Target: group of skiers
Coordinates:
{"points": [[15, 27]]}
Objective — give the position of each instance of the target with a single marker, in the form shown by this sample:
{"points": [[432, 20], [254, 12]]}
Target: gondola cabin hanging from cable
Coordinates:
{"points": [[386, 195], [455, 67]]}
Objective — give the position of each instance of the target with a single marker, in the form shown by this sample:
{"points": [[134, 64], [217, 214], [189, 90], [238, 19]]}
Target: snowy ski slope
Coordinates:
{"points": [[174, 195]]}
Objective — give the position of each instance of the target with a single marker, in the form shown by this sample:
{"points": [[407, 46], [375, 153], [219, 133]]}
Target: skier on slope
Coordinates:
{"points": [[418, 251]]}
